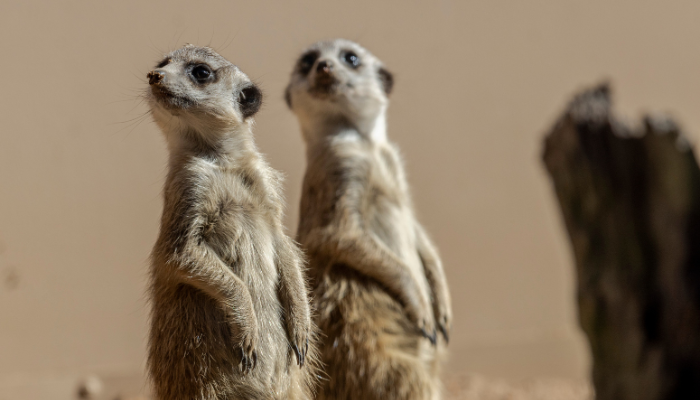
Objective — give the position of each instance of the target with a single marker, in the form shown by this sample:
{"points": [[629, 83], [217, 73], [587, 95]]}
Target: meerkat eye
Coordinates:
{"points": [[202, 73], [351, 59], [307, 62]]}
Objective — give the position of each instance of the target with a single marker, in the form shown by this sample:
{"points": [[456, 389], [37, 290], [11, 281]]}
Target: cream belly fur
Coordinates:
{"points": [[389, 212]]}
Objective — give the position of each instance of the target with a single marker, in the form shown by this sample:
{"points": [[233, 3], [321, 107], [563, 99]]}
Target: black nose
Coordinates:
{"points": [[155, 77], [324, 67]]}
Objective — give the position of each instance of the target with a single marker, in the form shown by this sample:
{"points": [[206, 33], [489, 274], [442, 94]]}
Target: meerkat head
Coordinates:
{"points": [[338, 80], [196, 92]]}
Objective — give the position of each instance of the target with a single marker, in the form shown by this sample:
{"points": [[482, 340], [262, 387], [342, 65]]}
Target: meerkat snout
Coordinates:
{"points": [[324, 67], [324, 74], [155, 77]]}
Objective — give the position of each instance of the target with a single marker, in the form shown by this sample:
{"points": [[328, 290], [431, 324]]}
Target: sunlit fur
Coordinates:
{"points": [[378, 282], [229, 302]]}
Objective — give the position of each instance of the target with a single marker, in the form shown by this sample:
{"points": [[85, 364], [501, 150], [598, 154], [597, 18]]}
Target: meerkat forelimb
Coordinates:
{"points": [[436, 279], [229, 308], [378, 281], [370, 257]]}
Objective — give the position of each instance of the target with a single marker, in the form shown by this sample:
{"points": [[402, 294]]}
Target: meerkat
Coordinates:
{"points": [[230, 311], [378, 282]]}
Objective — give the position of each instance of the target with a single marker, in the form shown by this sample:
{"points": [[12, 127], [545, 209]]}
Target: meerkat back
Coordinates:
{"points": [[378, 283], [230, 316]]}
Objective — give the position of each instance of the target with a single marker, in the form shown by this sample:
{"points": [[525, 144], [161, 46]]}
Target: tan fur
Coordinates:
{"points": [[378, 282], [229, 303]]}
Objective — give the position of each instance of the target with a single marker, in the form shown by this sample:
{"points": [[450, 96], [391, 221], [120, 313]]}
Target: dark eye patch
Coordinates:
{"points": [[351, 58], [387, 79], [202, 73], [163, 63], [250, 100], [306, 62]]}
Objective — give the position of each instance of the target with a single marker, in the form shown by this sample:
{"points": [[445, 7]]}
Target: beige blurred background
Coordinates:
{"points": [[477, 84]]}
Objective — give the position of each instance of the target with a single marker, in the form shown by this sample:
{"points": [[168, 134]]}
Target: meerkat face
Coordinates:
{"points": [[195, 89], [341, 78]]}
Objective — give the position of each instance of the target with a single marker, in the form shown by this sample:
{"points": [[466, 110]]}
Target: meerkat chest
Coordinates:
{"points": [[239, 223], [389, 207]]}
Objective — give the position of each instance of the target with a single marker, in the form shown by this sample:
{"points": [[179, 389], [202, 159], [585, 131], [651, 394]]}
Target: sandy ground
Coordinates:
{"points": [[465, 386], [477, 387], [458, 386]]}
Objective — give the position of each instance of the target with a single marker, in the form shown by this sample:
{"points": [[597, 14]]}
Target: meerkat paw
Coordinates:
{"points": [[423, 318], [299, 326], [444, 323], [420, 311], [427, 329], [300, 344], [299, 330], [443, 316], [249, 356]]}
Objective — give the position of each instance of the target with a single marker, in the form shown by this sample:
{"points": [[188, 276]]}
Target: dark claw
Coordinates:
{"points": [[247, 364], [444, 333], [306, 351], [301, 355], [424, 333], [242, 365], [298, 353], [432, 338]]}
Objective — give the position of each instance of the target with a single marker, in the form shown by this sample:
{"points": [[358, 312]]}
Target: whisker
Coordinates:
{"points": [[131, 120], [139, 77], [125, 100], [156, 48], [229, 40], [133, 123], [177, 42], [135, 126], [211, 38]]}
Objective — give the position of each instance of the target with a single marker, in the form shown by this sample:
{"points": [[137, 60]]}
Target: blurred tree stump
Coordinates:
{"points": [[630, 198]]}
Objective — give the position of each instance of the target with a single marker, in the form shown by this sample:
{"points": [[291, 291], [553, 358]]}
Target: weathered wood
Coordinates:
{"points": [[630, 198]]}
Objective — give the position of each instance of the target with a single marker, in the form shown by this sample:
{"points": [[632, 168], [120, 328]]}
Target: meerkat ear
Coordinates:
{"points": [[288, 96], [387, 80], [250, 100]]}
